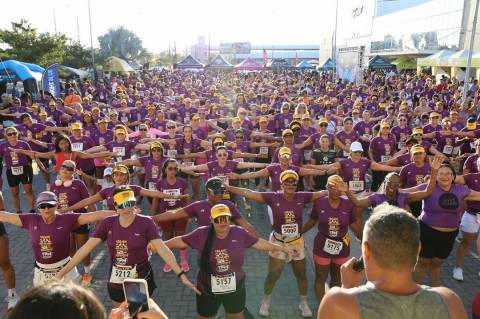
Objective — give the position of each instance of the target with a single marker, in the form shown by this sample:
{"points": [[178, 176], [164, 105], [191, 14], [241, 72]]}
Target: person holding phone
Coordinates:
{"points": [[221, 247], [128, 234], [49, 234]]}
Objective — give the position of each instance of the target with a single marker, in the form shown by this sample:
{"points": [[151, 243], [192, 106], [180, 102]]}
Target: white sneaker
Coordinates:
{"points": [[264, 309], [458, 274], [305, 309], [12, 300]]}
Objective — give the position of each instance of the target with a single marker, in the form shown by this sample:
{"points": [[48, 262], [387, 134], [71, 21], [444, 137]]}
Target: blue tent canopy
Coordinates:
{"points": [[305, 65], [326, 65], [14, 70]]}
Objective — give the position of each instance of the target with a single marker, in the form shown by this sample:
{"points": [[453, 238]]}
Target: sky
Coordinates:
{"points": [[161, 23]]}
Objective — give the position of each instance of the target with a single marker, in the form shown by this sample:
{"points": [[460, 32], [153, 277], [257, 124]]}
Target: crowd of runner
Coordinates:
{"points": [[209, 146]]}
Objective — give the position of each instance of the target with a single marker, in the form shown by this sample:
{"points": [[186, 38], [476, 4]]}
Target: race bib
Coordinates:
{"points": [[289, 230], [120, 273], [42, 276], [17, 170], [263, 150], [456, 150], [332, 247], [401, 145], [339, 128], [224, 284], [224, 179], [239, 159], [77, 147], [119, 150], [152, 186], [172, 153], [447, 149], [472, 145], [385, 158], [174, 191], [307, 155], [356, 186], [188, 164], [124, 119]]}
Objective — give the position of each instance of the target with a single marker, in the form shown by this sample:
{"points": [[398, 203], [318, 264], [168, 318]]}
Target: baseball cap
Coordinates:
{"points": [[334, 179], [323, 121], [236, 120], [76, 126], [215, 184], [416, 149], [288, 174], [46, 198], [120, 168], [417, 130], [220, 210], [356, 147], [446, 119], [295, 125], [284, 151], [195, 117], [107, 172], [287, 132], [434, 114]]}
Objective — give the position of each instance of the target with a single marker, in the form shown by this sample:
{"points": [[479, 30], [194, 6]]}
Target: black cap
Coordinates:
{"points": [[214, 183]]}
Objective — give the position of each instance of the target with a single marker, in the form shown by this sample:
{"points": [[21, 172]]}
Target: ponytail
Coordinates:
{"points": [[207, 250]]}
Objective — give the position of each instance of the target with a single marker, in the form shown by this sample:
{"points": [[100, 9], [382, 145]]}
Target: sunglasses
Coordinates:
{"points": [[221, 220], [143, 129], [323, 125], [12, 134], [222, 155], [156, 149], [127, 204], [290, 183], [173, 168], [218, 144], [239, 136], [68, 168], [218, 191], [417, 134], [170, 127], [46, 206], [402, 120]]}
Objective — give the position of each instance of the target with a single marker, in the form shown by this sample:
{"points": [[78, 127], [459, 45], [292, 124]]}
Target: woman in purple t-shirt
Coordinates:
{"points": [[439, 223], [48, 232], [286, 217], [128, 234], [381, 149], [221, 247]]}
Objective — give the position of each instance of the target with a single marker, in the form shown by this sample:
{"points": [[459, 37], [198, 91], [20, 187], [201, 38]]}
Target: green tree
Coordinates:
{"points": [[122, 43]]}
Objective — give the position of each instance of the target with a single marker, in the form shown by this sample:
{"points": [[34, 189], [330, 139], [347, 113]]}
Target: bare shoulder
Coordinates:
{"points": [[453, 302], [339, 303]]}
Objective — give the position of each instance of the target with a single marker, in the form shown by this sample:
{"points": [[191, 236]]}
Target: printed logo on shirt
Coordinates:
{"points": [[222, 259], [289, 216], [46, 246], [121, 250], [449, 201], [419, 179], [333, 226]]}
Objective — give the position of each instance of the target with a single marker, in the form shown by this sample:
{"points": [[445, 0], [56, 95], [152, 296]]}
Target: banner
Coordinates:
{"points": [[51, 80]]}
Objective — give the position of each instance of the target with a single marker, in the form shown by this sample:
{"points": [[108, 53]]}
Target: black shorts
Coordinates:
{"points": [[145, 271], [435, 243], [90, 172], [208, 304], [45, 162], [3, 231], [25, 178], [84, 229]]}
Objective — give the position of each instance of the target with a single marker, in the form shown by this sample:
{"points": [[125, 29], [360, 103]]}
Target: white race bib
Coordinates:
{"points": [[447, 149], [263, 150], [401, 145], [224, 179], [77, 147], [339, 128], [152, 186], [174, 191], [188, 164], [42, 276], [239, 159], [120, 273], [332, 247], [289, 230], [119, 150], [224, 284], [307, 155], [17, 170], [385, 158], [172, 153], [356, 186]]}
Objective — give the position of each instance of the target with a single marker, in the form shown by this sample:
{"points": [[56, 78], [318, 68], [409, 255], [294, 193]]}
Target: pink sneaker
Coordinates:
{"points": [[166, 268], [184, 265]]}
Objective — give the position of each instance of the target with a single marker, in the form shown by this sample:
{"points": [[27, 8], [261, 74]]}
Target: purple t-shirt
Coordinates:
{"points": [[177, 188], [124, 149], [378, 199], [382, 149], [153, 169], [35, 131], [102, 138], [411, 175], [287, 214], [404, 159], [401, 134], [83, 144], [443, 208], [201, 211], [68, 196], [297, 156], [333, 224], [347, 139], [127, 246], [471, 163], [274, 171], [214, 168], [107, 193], [13, 159], [473, 182], [50, 242], [354, 173], [226, 256]]}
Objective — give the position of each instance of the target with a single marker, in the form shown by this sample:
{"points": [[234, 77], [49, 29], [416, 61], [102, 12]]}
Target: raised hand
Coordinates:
{"points": [[436, 162]]}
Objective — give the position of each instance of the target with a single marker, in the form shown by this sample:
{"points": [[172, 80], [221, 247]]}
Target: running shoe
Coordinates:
{"points": [[458, 274], [305, 309], [264, 309], [166, 268], [184, 265], [86, 280], [12, 300]]}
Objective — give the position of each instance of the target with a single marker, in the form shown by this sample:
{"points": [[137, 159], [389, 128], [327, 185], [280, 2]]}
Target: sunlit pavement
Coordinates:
{"points": [[179, 302]]}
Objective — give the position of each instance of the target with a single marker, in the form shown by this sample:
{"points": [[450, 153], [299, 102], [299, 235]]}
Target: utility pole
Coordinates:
{"points": [[91, 42], [78, 30], [470, 52], [334, 57], [54, 22]]}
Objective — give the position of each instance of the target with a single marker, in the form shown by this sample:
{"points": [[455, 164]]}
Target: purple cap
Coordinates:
{"points": [[47, 198]]}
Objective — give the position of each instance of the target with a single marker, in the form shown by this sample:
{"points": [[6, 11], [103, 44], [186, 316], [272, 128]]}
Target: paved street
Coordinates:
{"points": [[179, 302]]}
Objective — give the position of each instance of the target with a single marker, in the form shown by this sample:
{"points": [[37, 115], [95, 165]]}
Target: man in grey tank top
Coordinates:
{"points": [[390, 248]]}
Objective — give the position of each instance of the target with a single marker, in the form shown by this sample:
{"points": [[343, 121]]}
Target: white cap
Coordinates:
{"points": [[356, 147], [107, 171]]}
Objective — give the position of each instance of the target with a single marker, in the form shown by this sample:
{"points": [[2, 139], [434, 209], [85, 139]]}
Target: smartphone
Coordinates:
{"points": [[136, 294], [358, 265]]}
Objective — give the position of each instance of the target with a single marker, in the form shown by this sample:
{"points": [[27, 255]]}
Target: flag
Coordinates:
{"points": [[265, 57], [51, 80]]}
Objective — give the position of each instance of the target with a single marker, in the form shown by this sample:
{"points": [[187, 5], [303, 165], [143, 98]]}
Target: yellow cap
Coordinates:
{"points": [[42, 113], [123, 196], [120, 168], [323, 121], [284, 151], [220, 210], [446, 119], [103, 120], [35, 106], [263, 119], [76, 126], [434, 114], [195, 117], [113, 112], [288, 174], [417, 130], [120, 130], [95, 109], [453, 112], [218, 139], [471, 125], [236, 120], [295, 126], [287, 132], [306, 117], [384, 125], [381, 105], [155, 145], [356, 111], [297, 117], [334, 179], [417, 149]]}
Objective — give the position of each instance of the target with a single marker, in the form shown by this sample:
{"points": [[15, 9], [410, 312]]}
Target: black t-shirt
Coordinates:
{"points": [[322, 158]]}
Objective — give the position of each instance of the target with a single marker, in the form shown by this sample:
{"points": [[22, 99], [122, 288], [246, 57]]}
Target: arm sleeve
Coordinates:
{"points": [[101, 231], [248, 239], [194, 239], [151, 230]]}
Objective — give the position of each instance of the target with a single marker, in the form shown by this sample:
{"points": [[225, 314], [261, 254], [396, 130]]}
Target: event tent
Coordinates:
{"points": [[305, 65], [458, 59], [14, 71], [278, 64], [326, 65], [248, 65], [189, 63], [377, 62], [114, 64], [438, 59], [219, 63], [313, 62], [405, 63]]}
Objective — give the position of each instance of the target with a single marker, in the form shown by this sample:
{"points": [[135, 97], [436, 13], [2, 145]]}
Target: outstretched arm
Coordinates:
{"points": [[256, 196]]}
